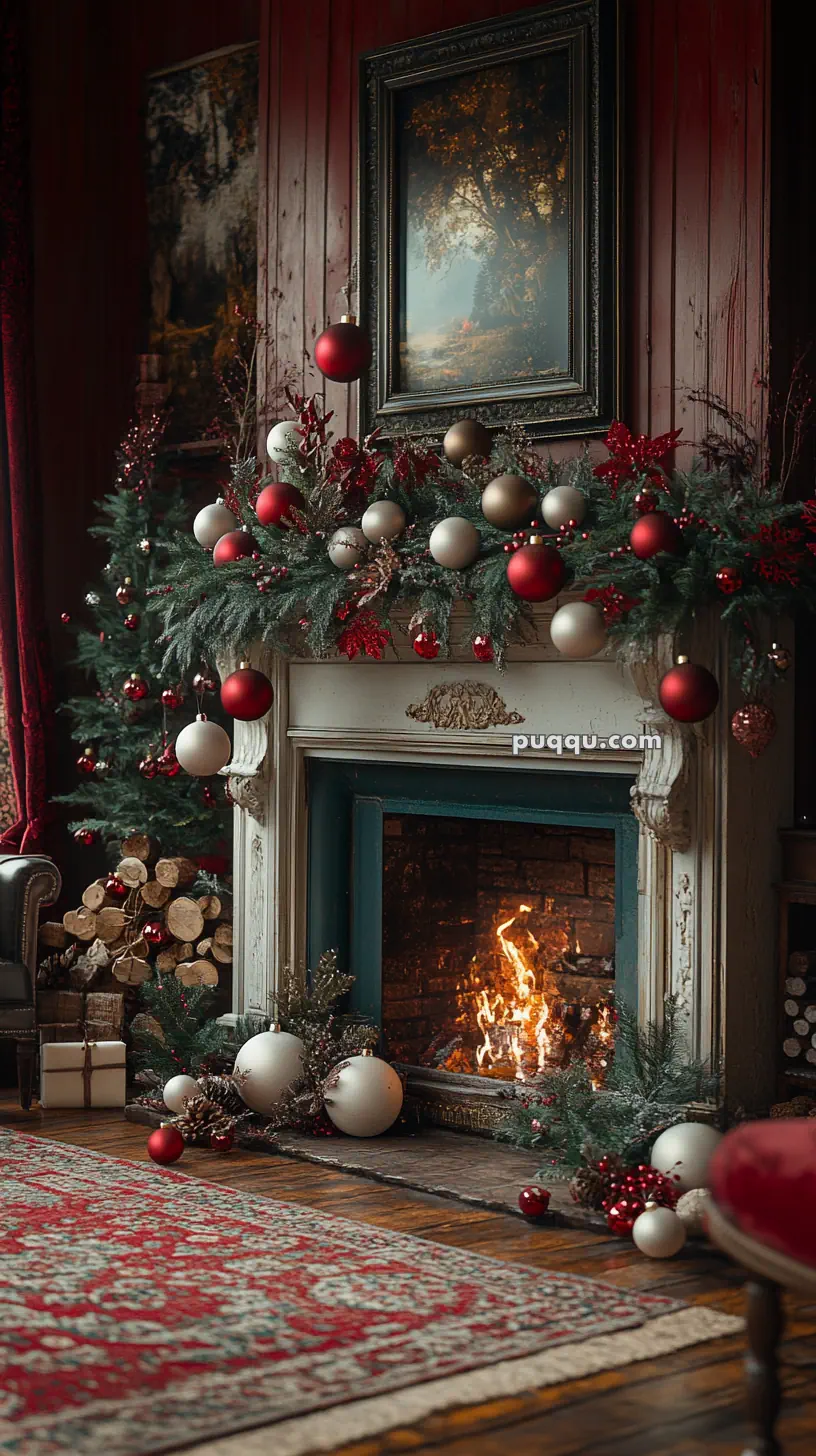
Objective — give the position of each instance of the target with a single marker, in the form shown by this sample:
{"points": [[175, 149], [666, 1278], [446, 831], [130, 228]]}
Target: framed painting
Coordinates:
{"points": [[489, 235], [202, 196]]}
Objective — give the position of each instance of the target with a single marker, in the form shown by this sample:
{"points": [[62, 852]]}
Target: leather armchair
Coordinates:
{"points": [[27, 883]]}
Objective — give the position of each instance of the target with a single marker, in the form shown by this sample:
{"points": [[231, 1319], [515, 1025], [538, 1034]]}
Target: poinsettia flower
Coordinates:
{"points": [[363, 636], [613, 602], [782, 554], [634, 456]]}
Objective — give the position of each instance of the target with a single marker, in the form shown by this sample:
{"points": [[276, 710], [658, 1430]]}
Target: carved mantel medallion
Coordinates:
{"points": [[469, 705]]}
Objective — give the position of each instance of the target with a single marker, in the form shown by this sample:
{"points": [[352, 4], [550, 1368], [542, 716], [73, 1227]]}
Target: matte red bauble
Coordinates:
{"points": [[753, 727], [247, 694], [154, 932], [115, 889], [536, 572], [234, 546], [148, 767], [343, 350], [87, 763], [688, 692], [169, 765], [276, 501], [85, 837], [222, 1142], [729, 580], [653, 533], [166, 1144], [135, 688], [426, 644], [172, 699], [534, 1201], [132, 621]]}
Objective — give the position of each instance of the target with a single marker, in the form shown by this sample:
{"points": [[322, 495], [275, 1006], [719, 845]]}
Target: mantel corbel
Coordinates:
{"points": [[661, 795], [246, 773]]}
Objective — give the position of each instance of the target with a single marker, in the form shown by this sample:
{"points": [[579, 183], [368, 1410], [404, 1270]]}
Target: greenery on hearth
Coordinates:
{"points": [[648, 1088], [176, 1032]]}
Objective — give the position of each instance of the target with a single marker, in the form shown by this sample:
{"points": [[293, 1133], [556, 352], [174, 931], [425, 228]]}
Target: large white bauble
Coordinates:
{"points": [[683, 1152], [280, 439], [213, 522], [202, 748], [691, 1209], [367, 1097], [563, 504], [455, 543], [175, 1091], [383, 520], [272, 1060], [347, 546], [658, 1232], [577, 629]]}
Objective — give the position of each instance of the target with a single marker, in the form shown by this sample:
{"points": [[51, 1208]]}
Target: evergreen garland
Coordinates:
{"points": [[177, 1032]]}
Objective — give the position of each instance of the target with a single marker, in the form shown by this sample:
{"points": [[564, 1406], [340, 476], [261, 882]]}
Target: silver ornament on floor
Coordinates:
{"points": [[175, 1091], [213, 522], [577, 630], [683, 1153], [454, 543], [347, 546], [364, 1096], [658, 1232], [202, 748], [383, 520], [280, 440], [269, 1063], [562, 504]]}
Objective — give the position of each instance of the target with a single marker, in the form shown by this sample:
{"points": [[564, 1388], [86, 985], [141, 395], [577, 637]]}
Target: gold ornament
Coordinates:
{"points": [[465, 438], [509, 501]]}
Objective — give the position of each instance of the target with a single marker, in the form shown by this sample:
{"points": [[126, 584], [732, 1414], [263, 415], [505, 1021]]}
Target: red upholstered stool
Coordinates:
{"points": [[763, 1213]]}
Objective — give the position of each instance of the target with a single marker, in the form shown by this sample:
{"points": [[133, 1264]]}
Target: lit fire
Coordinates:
{"points": [[514, 1024]]}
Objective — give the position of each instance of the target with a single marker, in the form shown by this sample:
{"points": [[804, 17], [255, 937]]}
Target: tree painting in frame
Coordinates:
{"points": [[202, 166], [488, 221]]}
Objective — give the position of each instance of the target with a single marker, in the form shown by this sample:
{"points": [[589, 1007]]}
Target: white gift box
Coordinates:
{"points": [[82, 1074]]}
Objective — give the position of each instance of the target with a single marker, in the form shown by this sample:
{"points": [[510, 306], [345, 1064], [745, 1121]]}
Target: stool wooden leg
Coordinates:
{"points": [[765, 1322], [26, 1059]]}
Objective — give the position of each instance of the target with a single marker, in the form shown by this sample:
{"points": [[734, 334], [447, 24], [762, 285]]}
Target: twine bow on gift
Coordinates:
{"points": [[88, 1066]]}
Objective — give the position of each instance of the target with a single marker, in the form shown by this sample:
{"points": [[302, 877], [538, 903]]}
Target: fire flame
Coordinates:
{"points": [[514, 1025]]}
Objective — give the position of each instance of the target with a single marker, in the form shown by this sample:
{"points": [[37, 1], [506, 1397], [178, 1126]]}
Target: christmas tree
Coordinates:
{"points": [[130, 780]]}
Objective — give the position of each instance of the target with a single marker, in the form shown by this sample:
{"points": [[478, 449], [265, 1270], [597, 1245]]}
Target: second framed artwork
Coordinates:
{"points": [[489, 229]]}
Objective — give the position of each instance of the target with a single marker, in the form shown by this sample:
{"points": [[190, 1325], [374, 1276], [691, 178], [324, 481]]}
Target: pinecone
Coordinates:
{"points": [[225, 1091], [590, 1186], [200, 1119]]}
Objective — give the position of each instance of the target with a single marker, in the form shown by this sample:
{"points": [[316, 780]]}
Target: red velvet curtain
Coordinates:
{"points": [[23, 649]]}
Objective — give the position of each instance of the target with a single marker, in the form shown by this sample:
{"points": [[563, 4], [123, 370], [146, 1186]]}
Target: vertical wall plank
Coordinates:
{"points": [[728, 220], [268, 206], [693, 204], [757, 83], [639, 43], [293, 94], [340, 186], [315, 211], [662, 216]]}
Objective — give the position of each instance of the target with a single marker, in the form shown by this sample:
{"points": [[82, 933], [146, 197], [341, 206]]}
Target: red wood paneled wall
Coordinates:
{"points": [[696, 205]]}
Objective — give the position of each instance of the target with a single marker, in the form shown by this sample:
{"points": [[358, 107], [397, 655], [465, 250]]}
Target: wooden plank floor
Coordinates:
{"points": [[686, 1404]]}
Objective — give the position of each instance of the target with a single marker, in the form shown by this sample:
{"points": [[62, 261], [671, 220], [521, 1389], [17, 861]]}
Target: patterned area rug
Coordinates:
{"points": [[144, 1311]]}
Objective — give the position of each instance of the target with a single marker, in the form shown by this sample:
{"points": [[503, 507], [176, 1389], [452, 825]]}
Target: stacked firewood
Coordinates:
{"points": [[143, 919], [800, 1008]]}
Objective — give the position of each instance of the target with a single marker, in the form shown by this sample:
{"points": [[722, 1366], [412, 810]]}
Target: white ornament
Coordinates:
{"points": [[658, 1232], [683, 1152], [272, 1061], [691, 1210], [213, 522], [177, 1089], [383, 520], [347, 546], [366, 1098], [455, 543], [577, 630], [202, 748], [280, 439], [563, 504]]}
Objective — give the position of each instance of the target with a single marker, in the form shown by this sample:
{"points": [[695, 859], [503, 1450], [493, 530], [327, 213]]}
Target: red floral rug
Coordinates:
{"points": [[145, 1311]]}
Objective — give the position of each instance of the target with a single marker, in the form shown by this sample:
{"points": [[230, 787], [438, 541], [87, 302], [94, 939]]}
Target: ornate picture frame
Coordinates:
{"points": [[489, 202]]}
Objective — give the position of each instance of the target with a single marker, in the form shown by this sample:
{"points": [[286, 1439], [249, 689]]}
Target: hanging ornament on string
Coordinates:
{"points": [[343, 351], [135, 688], [169, 766], [655, 533], [172, 698], [577, 630], [234, 546], [383, 521], [204, 682], [509, 501], [564, 505], [202, 748], [688, 693], [145, 546], [464, 439], [728, 579], [124, 593], [753, 727], [483, 648], [213, 522], [281, 439], [86, 763], [426, 644], [780, 658], [247, 693], [455, 543], [347, 547], [132, 621], [148, 767], [536, 571]]}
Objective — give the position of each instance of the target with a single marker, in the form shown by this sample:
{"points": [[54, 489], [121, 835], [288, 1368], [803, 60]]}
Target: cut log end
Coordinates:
{"points": [[197, 973]]}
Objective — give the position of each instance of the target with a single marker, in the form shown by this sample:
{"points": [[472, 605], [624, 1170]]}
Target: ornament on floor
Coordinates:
{"points": [[753, 727], [247, 693], [426, 645], [169, 765], [166, 1144], [85, 836], [234, 546], [213, 522], [384, 520], [536, 571], [343, 351], [729, 580], [148, 766], [683, 1152], [483, 648], [363, 1096], [86, 763], [92, 599], [577, 630], [564, 505], [464, 439], [202, 748], [658, 1232], [780, 658], [178, 1088], [688, 693], [276, 502], [172, 698], [124, 593], [204, 682], [280, 440], [222, 1142], [653, 534], [691, 1209], [116, 889], [135, 688], [534, 1201], [65, 618], [454, 543], [347, 547], [132, 621], [268, 1064], [509, 501], [645, 501]]}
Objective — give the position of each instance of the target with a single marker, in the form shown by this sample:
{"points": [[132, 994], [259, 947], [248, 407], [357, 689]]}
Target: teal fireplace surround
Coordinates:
{"points": [[347, 802]]}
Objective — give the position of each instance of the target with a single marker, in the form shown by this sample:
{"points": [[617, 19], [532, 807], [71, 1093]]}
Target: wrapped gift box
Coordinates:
{"points": [[82, 1074]]}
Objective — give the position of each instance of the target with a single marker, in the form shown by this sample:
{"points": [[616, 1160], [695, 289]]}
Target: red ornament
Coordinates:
{"points": [[247, 694], [620, 1218], [135, 688], [233, 546], [729, 580], [148, 767], [154, 932], [534, 1201], [645, 501], [102, 636], [536, 572], [86, 764], [85, 837], [172, 698], [753, 727], [343, 351], [222, 1142], [654, 533], [688, 692], [482, 649], [166, 1144], [426, 645], [169, 765], [116, 889], [132, 621], [65, 618], [124, 595], [203, 683], [276, 501]]}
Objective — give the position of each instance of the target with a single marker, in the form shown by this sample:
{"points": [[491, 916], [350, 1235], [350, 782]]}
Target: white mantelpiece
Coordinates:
{"points": [[708, 817]]}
